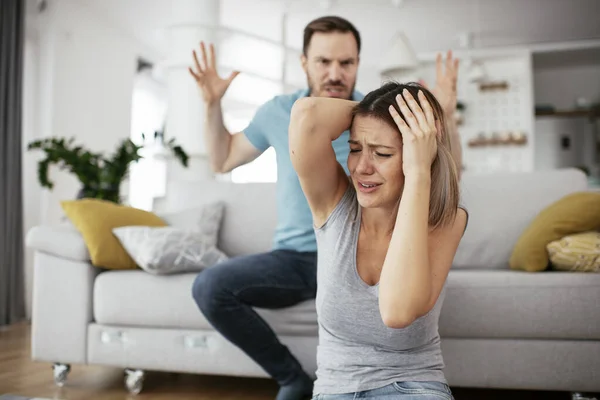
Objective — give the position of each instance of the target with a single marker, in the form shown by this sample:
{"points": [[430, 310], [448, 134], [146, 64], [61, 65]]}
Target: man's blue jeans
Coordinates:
{"points": [[227, 293]]}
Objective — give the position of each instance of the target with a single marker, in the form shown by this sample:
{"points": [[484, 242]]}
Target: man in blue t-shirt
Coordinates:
{"points": [[285, 276]]}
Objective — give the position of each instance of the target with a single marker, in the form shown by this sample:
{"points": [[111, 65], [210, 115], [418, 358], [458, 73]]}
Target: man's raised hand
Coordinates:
{"points": [[211, 85]]}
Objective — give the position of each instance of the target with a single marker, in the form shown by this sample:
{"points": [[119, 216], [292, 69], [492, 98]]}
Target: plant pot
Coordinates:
{"points": [[110, 193], [81, 194]]}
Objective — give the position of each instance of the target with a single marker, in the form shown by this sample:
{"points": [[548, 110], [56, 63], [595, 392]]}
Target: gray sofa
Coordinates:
{"points": [[499, 328]]}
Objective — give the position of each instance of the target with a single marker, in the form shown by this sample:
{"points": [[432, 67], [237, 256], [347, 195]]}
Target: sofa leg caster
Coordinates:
{"points": [[581, 396], [134, 380], [61, 372]]}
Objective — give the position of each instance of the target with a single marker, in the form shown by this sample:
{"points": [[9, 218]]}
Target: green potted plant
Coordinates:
{"points": [[100, 176]]}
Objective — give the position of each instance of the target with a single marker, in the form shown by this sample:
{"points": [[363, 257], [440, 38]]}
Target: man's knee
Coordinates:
{"points": [[209, 287]]}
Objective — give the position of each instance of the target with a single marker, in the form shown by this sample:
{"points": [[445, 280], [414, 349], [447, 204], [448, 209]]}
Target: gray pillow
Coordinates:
{"points": [[171, 250], [205, 219]]}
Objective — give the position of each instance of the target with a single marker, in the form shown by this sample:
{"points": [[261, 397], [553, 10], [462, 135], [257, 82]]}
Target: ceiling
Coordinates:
{"points": [[430, 24]]}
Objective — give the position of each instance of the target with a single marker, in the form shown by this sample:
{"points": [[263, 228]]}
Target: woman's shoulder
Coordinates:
{"points": [[462, 214]]}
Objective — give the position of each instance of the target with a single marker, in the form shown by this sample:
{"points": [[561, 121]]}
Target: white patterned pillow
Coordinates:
{"points": [[205, 220], [171, 250], [168, 250]]}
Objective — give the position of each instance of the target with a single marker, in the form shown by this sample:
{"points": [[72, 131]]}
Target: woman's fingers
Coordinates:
{"points": [[404, 128], [417, 112], [428, 110], [407, 114]]}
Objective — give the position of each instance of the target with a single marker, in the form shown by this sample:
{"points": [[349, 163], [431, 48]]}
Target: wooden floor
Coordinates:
{"points": [[21, 376]]}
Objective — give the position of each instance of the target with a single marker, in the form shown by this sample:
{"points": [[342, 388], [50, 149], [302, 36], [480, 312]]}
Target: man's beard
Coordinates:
{"points": [[316, 88]]}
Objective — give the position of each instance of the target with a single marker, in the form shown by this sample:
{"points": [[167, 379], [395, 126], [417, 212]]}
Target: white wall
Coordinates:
{"points": [[87, 69], [79, 72]]}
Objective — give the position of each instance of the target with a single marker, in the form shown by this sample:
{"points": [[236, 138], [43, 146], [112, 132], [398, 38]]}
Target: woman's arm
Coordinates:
{"points": [[418, 259], [315, 123]]}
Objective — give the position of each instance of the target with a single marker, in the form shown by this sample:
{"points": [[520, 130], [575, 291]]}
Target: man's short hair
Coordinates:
{"points": [[329, 24]]}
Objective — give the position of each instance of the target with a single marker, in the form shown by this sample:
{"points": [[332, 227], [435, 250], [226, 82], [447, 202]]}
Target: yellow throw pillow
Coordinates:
{"points": [[575, 213], [95, 220], [580, 252]]}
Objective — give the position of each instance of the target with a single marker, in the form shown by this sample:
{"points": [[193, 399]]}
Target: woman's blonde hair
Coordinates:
{"points": [[444, 198]]}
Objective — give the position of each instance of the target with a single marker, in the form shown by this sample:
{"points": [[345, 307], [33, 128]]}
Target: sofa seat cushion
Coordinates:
{"points": [[136, 298], [521, 305]]}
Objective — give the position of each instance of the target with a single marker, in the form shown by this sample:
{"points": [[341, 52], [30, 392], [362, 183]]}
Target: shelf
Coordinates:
{"points": [[565, 113]]}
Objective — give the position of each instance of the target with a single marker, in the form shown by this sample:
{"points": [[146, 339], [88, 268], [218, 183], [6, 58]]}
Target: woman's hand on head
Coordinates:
{"points": [[419, 133]]}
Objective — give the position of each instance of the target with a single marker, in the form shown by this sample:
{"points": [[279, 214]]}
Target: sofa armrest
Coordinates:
{"points": [[63, 241], [62, 308]]}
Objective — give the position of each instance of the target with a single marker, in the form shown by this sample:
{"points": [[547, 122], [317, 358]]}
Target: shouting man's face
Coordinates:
{"points": [[331, 64]]}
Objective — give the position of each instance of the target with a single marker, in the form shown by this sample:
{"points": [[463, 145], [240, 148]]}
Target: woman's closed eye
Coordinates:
{"points": [[385, 155]]}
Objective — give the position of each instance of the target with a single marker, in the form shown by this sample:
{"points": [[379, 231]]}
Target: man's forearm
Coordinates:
{"points": [[216, 136]]}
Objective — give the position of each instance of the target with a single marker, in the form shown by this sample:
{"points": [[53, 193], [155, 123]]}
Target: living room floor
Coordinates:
{"points": [[21, 376]]}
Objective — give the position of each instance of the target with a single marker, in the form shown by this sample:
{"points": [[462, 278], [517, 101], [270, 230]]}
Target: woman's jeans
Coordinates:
{"points": [[398, 391]]}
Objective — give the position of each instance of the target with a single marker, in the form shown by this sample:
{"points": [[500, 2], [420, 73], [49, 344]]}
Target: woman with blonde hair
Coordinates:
{"points": [[386, 236]]}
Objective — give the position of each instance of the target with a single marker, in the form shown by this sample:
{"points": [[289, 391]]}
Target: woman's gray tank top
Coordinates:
{"points": [[356, 350]]}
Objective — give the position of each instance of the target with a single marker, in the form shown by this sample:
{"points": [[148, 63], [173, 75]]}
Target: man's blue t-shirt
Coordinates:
{"points": [[269, 127]]}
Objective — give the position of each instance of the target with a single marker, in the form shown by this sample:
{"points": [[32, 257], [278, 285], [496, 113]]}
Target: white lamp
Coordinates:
{"points": [[476, 72], [400, 60]]}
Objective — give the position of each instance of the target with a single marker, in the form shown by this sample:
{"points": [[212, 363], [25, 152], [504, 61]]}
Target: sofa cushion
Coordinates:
{"points": [[579, 252], [172, 250], [95, 219], [501, 206], [478, 304], [575, 213], [136, 298], [205, 220], [521, 305], [166, 250], [250, 212]]}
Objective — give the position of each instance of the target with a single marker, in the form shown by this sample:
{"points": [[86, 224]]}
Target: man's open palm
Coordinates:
{"points": [[445, 82], [212, 86]]}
